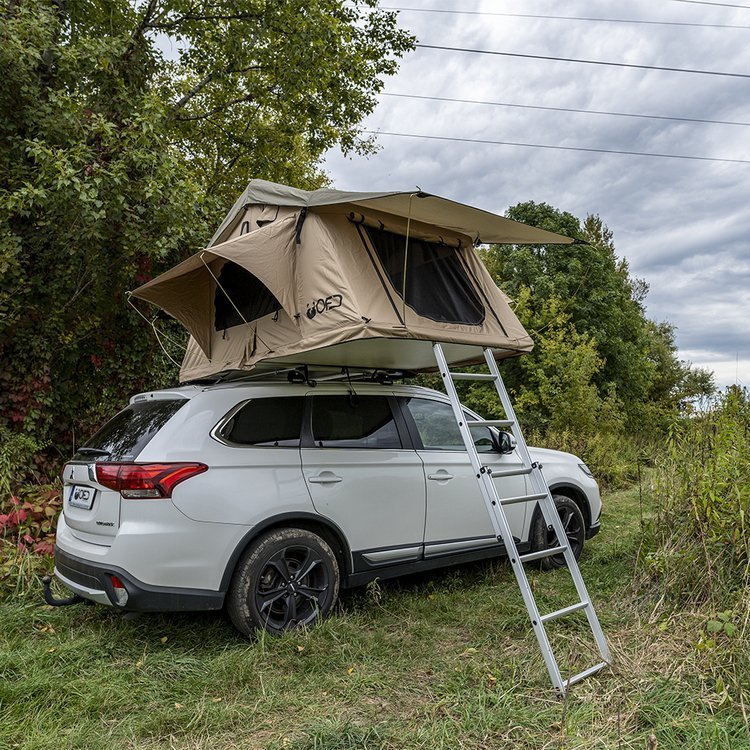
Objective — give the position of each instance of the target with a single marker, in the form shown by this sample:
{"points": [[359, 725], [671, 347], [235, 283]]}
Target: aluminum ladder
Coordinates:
{"points": [[540, 493]]}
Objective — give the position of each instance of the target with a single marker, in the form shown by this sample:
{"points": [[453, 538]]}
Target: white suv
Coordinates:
{"points": [[267, 497]]}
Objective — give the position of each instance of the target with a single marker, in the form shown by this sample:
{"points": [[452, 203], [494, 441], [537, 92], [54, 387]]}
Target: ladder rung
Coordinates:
{"points": [[490, 422], [586, 673], [520, 498], [471, 376], [564, 611], [542, 554], [511, 473]]}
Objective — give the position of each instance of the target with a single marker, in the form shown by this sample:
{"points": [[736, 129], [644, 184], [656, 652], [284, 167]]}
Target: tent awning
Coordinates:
{"points": [[480, 225], [186, 290]]}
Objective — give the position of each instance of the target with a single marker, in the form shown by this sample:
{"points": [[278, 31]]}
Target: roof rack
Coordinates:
{"points": [[312, 375]]}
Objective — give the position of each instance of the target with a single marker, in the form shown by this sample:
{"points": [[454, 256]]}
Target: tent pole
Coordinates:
{"points": [[224, 291], [406, 257]]}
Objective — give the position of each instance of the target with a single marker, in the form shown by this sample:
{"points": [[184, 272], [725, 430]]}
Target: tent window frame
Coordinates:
{"points": [[257, 302], [468, 307]]}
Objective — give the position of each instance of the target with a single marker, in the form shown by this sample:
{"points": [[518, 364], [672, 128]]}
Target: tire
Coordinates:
{"points": [[542, 536], [288, 578]]}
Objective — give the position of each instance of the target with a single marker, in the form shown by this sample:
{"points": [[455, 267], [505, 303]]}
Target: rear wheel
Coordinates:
{"points": [[287, 579], [543, 537]]}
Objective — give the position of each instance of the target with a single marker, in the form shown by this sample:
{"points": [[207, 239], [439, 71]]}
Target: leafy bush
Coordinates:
{"points": [[612, 457], [699, 540], [27, 536], [30, 519]]}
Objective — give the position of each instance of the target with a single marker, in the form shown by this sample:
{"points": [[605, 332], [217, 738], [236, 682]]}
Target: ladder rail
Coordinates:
{"points": [[549, 509], [539, 492], [499, 521]]}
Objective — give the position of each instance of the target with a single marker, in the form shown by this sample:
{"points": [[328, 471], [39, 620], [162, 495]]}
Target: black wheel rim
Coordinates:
{"points": [[571, 523], [291, 589]]}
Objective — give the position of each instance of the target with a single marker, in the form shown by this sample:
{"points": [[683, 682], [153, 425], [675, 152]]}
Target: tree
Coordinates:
{"points": [[589, 286], [125, 132]]}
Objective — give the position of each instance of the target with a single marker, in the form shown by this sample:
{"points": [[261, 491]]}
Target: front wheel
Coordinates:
{"points": [[288, 578], [543, 537]]}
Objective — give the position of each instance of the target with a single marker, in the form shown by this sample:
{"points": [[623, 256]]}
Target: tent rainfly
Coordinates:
{"points": [[348, 279]]}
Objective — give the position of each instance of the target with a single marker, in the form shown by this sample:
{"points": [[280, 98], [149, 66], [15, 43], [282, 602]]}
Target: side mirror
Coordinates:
{"points": [[504, 441]]}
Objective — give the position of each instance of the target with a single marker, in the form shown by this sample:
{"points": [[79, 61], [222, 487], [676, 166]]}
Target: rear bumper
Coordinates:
{"points": [[593, 530], [93, 581]]}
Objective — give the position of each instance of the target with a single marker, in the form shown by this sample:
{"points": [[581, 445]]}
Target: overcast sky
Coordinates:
{"points": [[682, 225]]}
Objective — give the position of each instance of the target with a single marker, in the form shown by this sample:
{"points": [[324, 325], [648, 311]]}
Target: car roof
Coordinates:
{"points": [[282, 387]]}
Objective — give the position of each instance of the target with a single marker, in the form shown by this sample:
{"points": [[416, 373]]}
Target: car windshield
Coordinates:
{"points": [[129, 431]]}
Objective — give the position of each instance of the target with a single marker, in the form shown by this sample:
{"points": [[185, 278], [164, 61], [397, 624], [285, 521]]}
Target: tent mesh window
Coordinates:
{"points": [[250, 296], [437, 285]]}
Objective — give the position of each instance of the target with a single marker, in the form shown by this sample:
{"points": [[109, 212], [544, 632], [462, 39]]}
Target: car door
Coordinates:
{"points": [[457, 516], [363, 475]]}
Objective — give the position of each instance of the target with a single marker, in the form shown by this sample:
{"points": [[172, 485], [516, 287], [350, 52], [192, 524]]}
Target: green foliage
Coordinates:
{"points": [[17, 452], [699, 542], [594, 344], [119, 158]]}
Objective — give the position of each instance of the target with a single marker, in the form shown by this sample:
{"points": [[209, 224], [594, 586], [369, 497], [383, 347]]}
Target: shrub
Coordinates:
{"points": [[28, 519], [699, 539]]}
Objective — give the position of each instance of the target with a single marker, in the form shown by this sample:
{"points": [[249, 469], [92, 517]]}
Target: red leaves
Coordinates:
{"points": [[31, 519]]}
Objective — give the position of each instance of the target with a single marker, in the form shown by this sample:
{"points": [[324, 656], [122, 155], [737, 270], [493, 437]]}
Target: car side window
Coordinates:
{"points": [[352, 421], [266, 422], [436, 424], [438, 429]]}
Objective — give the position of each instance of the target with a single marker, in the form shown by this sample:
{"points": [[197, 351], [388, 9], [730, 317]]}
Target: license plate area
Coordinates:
{"points": [[81, 497]]}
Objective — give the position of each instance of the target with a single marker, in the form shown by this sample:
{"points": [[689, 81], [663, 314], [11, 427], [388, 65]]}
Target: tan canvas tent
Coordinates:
{"points": [[347, 279]]}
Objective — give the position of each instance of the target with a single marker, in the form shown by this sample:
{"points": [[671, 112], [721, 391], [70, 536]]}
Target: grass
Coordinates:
{"points": [[439, 661]]}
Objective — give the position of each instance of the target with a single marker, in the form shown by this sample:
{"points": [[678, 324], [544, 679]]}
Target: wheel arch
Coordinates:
{"points": [[319, 525], [577, 496]]}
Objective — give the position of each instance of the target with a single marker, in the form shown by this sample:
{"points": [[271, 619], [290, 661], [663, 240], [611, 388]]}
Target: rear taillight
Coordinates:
{"points": [[145, 481]]}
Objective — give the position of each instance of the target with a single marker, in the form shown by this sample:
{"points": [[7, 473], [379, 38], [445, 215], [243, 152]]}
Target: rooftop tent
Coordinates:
{"points": [[338, 278]]}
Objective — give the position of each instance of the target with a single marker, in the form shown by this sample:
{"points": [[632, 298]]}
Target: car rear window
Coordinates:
{"points": [[267, 422], [128, 433], [354, 422]]}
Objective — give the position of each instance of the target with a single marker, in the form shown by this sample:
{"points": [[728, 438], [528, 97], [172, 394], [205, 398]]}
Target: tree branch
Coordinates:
{"points": [[145, 21], [169, 25], [215, 110], [210, 77]]}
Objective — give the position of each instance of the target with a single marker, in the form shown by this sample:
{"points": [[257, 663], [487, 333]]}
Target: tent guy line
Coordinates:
{"points": [[556, 148], [692, 71]]}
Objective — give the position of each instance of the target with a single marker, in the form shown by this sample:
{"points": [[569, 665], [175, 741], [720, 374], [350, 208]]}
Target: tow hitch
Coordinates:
{"points": [[49, 597]]}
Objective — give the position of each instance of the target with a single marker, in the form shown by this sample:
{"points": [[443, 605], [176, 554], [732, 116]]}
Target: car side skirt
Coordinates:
{"points": [[366, 573]]}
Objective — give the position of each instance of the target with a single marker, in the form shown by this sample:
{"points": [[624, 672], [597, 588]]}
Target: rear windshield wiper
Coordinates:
{"points": [[93, 451]]}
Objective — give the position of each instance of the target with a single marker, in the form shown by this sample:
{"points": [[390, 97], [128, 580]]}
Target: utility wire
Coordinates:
{"points": [[586, 62], [564, 109], [555, 148], [705, 2], [565, 18]]}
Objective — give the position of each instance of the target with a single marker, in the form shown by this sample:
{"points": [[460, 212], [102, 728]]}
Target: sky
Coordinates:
{"points": [[683, 225]]}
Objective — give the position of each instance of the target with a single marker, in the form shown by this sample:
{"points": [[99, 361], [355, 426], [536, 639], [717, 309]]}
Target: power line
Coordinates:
{"points": [[564, 109], [586, 62], [555, 148], [705, 2], [566, 18]]}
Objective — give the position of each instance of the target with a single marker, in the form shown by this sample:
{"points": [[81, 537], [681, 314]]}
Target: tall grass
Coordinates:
{"points": [[696, 548], [699, 540]]}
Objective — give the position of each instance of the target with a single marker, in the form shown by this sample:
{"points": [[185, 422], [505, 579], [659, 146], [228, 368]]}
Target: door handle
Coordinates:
{"points": [[441, 476], [325, 477]]}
